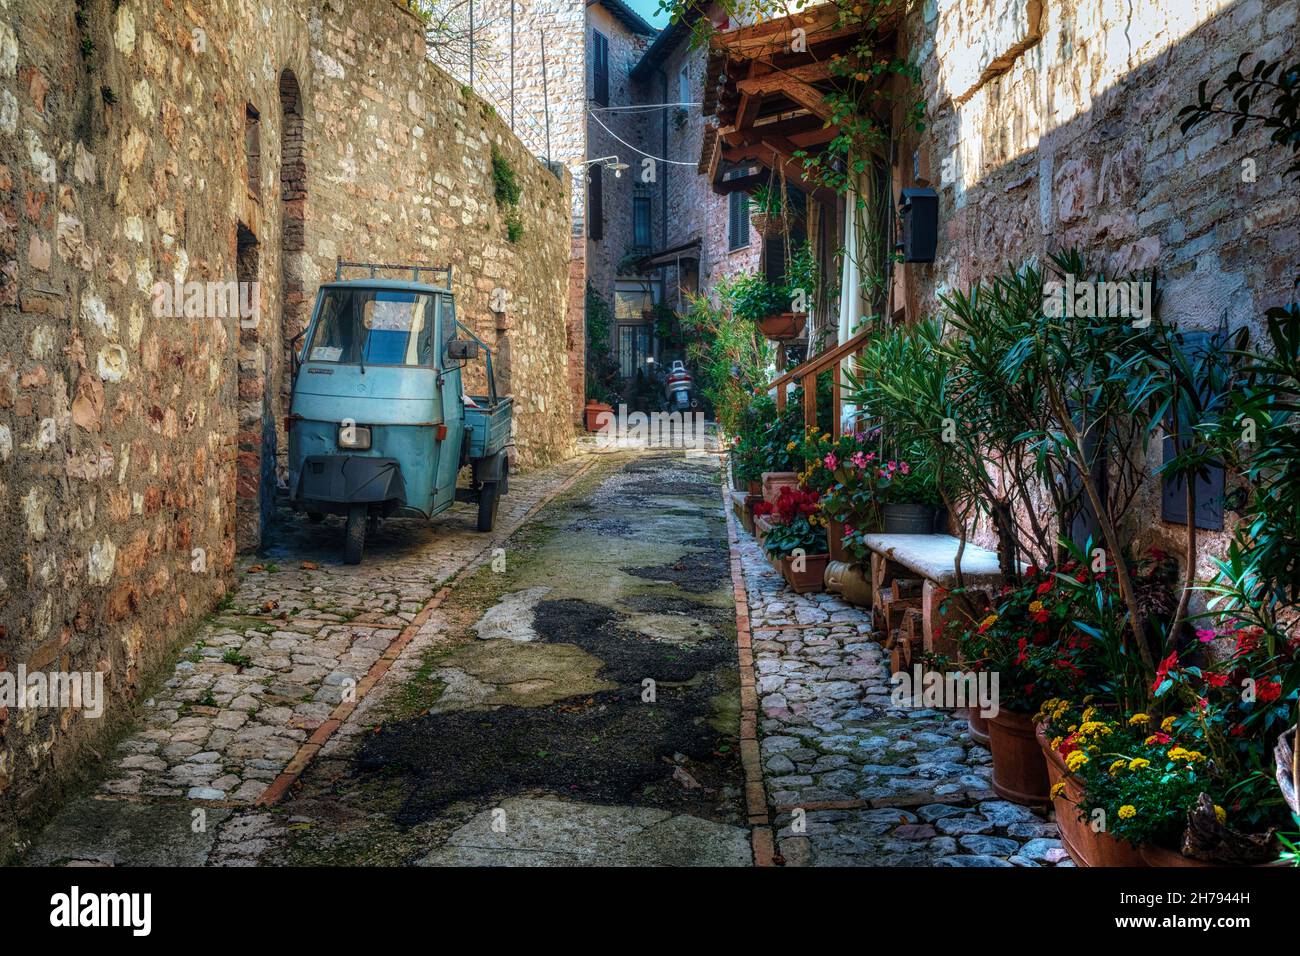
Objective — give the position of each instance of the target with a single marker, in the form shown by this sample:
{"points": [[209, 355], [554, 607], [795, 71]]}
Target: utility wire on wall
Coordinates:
{"points": [[657, 159]]}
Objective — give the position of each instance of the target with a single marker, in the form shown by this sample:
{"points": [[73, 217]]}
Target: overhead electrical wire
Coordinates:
{"points": [[657, 159]]}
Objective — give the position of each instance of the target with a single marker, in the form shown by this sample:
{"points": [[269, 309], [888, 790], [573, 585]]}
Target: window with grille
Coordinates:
{"points": [[599, 68], [737, 221]]}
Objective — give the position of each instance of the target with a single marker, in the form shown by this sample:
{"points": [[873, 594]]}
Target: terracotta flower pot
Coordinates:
{"points": [[782, 326], [774, 481], [1153, 855], [810, 578], [1085, 846], [592, 412], [835, 541], [762, 525], [754, 487], [1019, 769], [979, 726]]}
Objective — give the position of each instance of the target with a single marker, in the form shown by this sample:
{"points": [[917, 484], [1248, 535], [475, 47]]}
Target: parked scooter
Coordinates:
{"points": [[679, 389]]}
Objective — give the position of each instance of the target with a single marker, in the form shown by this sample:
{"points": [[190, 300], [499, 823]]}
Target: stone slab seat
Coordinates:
{"points": [[933, 556]]}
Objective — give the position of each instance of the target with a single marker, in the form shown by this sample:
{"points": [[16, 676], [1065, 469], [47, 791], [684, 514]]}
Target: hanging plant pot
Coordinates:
{"points": [[771, 225], [782, 326]]}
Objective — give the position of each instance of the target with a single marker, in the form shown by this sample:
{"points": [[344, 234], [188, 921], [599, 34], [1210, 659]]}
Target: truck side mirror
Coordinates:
{"points": [[462, 349]]}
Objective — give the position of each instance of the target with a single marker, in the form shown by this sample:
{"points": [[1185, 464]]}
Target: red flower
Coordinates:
{"points": [[1044, 587], [1160, 737], [1268, 691], [1067, 745], [1168, 664], [1023, 656], [1216, 680], [1040, 617]]}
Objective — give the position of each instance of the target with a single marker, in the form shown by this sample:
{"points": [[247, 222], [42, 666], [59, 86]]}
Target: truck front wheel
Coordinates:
{"points": [[355, 543], [488, 499]]}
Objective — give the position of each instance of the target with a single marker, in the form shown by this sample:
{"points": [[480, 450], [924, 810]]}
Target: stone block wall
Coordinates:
{"points": [[137, 448], [1054, 124]]}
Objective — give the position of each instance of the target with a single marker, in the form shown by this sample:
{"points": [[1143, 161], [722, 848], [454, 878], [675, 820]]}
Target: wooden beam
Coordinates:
{"points": [[770, 82], [806, 96], [809, 383]]}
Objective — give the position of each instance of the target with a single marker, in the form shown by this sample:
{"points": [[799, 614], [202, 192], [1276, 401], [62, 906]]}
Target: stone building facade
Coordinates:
{"points": [[213, 143], [1053, 125]]}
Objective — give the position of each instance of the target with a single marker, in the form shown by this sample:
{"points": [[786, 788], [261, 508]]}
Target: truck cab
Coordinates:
{"points": [[379, 422]]}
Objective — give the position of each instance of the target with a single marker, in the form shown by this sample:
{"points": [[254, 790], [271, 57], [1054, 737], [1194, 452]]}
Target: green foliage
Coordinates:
{"points": [[799, 535], [766, 199], [603, 383], [1244, 96], [505, 184], [752, 297], [514, 226], [729, 357]]}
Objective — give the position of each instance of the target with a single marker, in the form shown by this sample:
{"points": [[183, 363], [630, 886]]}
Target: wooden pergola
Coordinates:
{"points": [[769, 99]]}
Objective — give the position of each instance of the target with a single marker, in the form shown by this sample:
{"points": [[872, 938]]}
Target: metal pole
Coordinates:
{"points": [[471, 44], [512, 65], [546, 101]]}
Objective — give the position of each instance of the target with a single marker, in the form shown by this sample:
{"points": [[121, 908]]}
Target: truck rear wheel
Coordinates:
{"points": [[355, 542], [488, 499]]}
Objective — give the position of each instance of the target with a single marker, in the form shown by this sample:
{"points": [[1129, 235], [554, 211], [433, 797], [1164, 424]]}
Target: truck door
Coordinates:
{"points": [[453, 409]]}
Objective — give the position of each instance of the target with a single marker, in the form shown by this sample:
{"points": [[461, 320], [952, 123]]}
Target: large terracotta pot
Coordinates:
{"points": [[592, 412], [774, 481], [1019, 769], [1153, 855], [762, 525], [835, 541], [1085, 846], [810, 578], [979, 726], [782, 326]]}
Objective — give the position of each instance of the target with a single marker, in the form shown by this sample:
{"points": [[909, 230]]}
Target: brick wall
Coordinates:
{"points": [[136, 448]]}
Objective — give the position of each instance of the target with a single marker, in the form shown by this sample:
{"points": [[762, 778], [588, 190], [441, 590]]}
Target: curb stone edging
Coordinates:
{"points": [[761, 836]]}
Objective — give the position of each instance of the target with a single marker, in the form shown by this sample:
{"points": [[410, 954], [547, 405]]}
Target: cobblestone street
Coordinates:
{"points": [[878, 785]]}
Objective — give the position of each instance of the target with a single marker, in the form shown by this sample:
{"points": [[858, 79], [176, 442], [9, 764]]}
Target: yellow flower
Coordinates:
{"points": [[1035, 607], [1117, 766], [1220, 814], [1127, 812], [1138, 719], [1139, 763], [1167, 724], [1089, 714], [791, 446], [1153, 739], [1058, 789], [1056, 742], [989, 621], [1094, 727], [1181, 753], [1074, 760]]}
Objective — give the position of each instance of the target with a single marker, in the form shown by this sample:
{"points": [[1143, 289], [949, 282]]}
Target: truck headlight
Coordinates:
{"points": [[354, 436]]}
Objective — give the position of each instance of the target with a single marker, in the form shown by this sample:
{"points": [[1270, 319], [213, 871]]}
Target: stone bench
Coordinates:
{"points": [[911, 575]]}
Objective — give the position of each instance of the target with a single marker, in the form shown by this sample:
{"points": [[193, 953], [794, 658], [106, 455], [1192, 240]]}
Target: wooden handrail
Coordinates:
{"points": [[819, 363], [813, 367]]}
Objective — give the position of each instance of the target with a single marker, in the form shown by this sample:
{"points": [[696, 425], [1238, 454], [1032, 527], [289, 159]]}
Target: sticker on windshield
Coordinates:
{"points": [[326, 353]]}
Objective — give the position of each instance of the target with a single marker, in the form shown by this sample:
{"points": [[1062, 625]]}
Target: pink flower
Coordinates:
{"points": [[904, 468], [858, 460], [871, 456], [893, 465], [1205, 635], [831, 461]]}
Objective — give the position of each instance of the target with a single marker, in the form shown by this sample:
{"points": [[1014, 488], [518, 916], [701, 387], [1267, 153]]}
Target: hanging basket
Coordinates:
{"points": [[771, 225], [782, 326]]}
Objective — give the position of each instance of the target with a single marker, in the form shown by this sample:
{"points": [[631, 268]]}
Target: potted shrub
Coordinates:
{"points": [[768, 306], [909, 499], [592, 413], [796, 542]]}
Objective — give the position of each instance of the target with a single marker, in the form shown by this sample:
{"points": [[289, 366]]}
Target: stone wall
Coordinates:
{"points": [[1055, 124], [135, 447]]}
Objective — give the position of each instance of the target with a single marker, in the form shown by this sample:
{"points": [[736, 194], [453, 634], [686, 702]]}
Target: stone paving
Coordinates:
{"points": [[867, 782], [300, 630]]}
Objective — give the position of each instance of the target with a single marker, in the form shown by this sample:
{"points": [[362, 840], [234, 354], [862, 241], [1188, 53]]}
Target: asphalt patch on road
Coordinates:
{"points": [[612, 747], [698, 572]]}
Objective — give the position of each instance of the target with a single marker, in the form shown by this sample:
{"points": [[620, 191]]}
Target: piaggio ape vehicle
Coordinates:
{"points": [[379, 423]]}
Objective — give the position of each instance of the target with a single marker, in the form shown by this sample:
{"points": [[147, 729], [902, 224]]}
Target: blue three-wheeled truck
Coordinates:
{"points": [[379, 424]]}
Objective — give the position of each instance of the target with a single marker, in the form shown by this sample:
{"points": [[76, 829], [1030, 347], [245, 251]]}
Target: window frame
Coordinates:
{"points": [[733, 221], [599, 68]]}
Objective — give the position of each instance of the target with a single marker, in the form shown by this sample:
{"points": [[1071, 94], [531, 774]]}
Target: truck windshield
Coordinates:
{"points": [[374, 327]]}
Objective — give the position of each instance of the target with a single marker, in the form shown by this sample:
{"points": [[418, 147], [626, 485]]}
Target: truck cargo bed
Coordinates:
{"points": [[488, 425]]}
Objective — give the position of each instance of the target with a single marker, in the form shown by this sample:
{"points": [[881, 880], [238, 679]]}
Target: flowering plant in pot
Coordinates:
{"points": [[797, 539], [909, 498], [841, 472]]}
